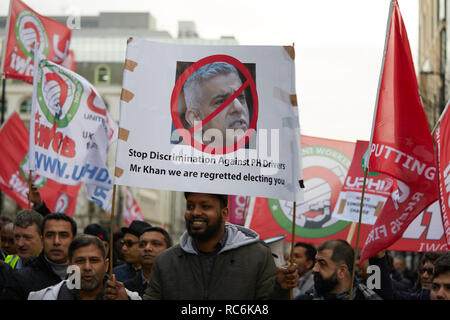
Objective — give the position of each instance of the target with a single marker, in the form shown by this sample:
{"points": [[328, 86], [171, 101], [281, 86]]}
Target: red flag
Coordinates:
{"points": [[131, 209], [441, 136], [238, 206], [13, 174], [26, 29], [69, 62], [402, 146], [325, 168]]}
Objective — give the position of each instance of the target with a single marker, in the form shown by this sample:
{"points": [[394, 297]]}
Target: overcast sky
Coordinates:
{"points": [[338, 43]]}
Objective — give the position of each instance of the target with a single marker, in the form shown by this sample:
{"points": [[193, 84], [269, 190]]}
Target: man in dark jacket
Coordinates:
{"points": [[333, 273], [217, 260], [425, 276], [5, 274], [88, 255], [50, 267], [6, 237], [129, 247], [152, 242]]}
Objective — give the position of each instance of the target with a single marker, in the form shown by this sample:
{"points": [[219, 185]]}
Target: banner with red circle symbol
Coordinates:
{"points": [[28, 29], [187, 135], [216, 119]]}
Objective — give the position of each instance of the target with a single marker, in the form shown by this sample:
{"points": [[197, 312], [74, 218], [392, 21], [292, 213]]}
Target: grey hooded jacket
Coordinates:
{"points": [[244, 269]]}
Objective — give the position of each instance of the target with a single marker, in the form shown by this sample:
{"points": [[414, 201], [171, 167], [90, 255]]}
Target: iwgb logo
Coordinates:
{"points": [[58, 94], [30, 33], [38, 180], [62, 203]]}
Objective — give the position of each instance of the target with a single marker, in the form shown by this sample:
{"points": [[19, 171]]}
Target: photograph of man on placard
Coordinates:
{"points": [[206, 90]]}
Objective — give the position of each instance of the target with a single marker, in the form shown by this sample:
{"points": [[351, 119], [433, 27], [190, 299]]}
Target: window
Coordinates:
{"points": [[443, 48], [102, 74], [442, 8], [25, 106], [6, 106]]}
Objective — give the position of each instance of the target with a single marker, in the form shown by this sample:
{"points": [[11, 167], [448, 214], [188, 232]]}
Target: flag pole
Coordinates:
{"points": [[366, 160], [366, 170], [351, 232], [30, 183], [440, 118], [111, 233], [388, 27], [2, 119], [291, 258], [7, 27], [245, 209], [3, 108]]}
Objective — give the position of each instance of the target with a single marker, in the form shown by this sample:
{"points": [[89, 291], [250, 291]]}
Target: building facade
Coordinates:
{"points": [[433, 72], [99, 45]]}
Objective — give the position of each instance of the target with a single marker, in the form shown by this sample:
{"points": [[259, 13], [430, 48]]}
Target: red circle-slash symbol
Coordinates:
{"points": [[187, 135]]}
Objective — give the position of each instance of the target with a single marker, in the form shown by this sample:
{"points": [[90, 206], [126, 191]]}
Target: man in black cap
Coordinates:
{"points": [[217, 260], [129, 246]]}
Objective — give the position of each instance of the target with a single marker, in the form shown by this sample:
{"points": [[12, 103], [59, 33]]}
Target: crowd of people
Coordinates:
{"points": [[44, 257]]}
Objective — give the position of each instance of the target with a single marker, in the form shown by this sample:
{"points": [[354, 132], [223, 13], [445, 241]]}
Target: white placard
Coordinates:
{"points": [[204, 94]]}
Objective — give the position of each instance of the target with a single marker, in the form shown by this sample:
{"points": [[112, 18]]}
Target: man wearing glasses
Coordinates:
{"points": [[425, 277], [129, 247], [426, 269]]}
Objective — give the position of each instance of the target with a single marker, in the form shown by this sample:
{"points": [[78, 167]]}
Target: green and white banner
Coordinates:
{"points": [[70, 128]]}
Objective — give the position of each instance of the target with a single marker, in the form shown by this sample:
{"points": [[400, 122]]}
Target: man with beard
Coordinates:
{"points": [[333, 274], [217, 260], [88, 255]]}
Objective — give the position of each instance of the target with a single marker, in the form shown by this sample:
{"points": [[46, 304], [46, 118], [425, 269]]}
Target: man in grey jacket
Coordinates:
{"points": [[217, 260]]}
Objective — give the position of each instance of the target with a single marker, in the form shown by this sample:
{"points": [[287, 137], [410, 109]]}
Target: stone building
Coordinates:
{"points": [[433, 72]]}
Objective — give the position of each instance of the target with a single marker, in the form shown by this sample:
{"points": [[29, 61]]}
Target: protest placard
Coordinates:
{"points": [[210, 119], [27, 30], [378, 188]]}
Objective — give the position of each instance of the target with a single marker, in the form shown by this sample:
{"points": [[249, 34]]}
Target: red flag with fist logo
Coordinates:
{"points": [[26, 30]]}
